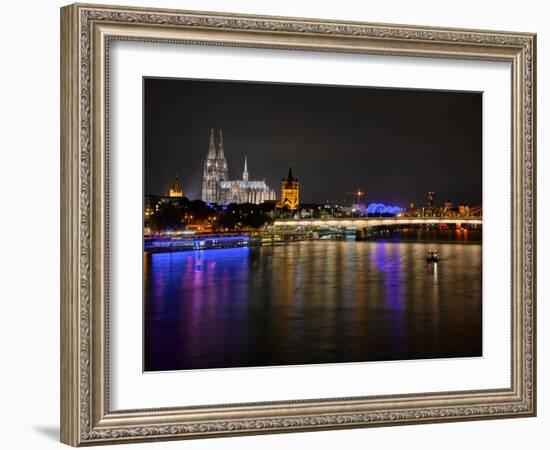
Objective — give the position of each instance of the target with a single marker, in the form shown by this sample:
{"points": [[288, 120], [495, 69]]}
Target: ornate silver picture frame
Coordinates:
{"points": [[87, 32]]}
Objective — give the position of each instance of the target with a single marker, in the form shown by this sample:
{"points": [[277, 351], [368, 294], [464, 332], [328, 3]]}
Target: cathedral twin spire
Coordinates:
{"points": [[215, 170], [216, 186], [220, 163], [219, 156], [212, 154]]}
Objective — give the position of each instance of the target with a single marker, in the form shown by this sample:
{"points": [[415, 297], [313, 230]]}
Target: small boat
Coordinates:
{"points": [[431, 256]]}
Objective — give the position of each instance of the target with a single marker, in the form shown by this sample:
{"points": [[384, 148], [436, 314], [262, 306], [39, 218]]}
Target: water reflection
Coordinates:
{"points": [[311, 302]]}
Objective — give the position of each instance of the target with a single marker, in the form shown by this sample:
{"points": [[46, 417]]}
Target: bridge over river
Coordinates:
{"points": [[369, 222], [362, 227]]}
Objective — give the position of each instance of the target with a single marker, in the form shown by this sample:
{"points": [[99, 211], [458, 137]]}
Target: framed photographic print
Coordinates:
{"points": [[274, 224]]}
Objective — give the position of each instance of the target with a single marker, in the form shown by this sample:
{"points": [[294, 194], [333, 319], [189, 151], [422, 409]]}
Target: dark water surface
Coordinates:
{"points": [[311, 302]]}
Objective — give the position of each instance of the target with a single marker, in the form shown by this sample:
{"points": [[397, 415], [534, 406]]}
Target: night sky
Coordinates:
{"points": [[396, 144]]}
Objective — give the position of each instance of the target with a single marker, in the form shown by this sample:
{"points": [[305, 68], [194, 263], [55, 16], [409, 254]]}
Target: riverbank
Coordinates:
{"points": [[214, 241]]}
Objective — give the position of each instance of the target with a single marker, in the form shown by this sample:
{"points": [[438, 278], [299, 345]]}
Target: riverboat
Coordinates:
{"points": [[196, 242], [432, 256]]}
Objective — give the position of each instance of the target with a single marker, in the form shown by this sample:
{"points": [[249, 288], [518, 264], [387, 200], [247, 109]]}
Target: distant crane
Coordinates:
{"points": [[358, 194]]}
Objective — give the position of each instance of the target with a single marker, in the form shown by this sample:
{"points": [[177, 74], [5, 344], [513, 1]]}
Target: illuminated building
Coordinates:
{"points": [[463, 210], [359, 208], [216, 186], [245, 190], [175, 189], [448, 205], [290, 191]]}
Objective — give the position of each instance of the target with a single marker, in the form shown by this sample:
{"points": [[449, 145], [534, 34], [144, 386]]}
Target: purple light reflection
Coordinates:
{"points": [[388, 258], [198, 290]]}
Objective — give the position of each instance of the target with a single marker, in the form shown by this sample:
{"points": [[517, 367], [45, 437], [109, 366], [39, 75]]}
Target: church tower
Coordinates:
{"points": [[214, 168], [245, 172], [290, 191], [175, 189]]}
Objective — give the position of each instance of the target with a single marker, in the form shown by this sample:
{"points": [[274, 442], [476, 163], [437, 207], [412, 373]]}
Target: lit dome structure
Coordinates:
{"points": [[380, 208]]}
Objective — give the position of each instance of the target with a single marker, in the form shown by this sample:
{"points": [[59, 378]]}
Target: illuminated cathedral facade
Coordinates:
{"points": [[218, 188], [215, 171]]}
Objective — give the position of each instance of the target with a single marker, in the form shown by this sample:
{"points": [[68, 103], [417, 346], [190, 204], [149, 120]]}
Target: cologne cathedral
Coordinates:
{"points": [[218, 188]]}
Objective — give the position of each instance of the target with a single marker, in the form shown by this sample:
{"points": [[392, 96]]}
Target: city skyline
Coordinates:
{"points": [[262, 272], [393, 150]]}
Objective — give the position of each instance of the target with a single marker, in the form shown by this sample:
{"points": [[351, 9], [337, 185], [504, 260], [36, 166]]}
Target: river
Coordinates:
{"points": [[312, 302]]}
